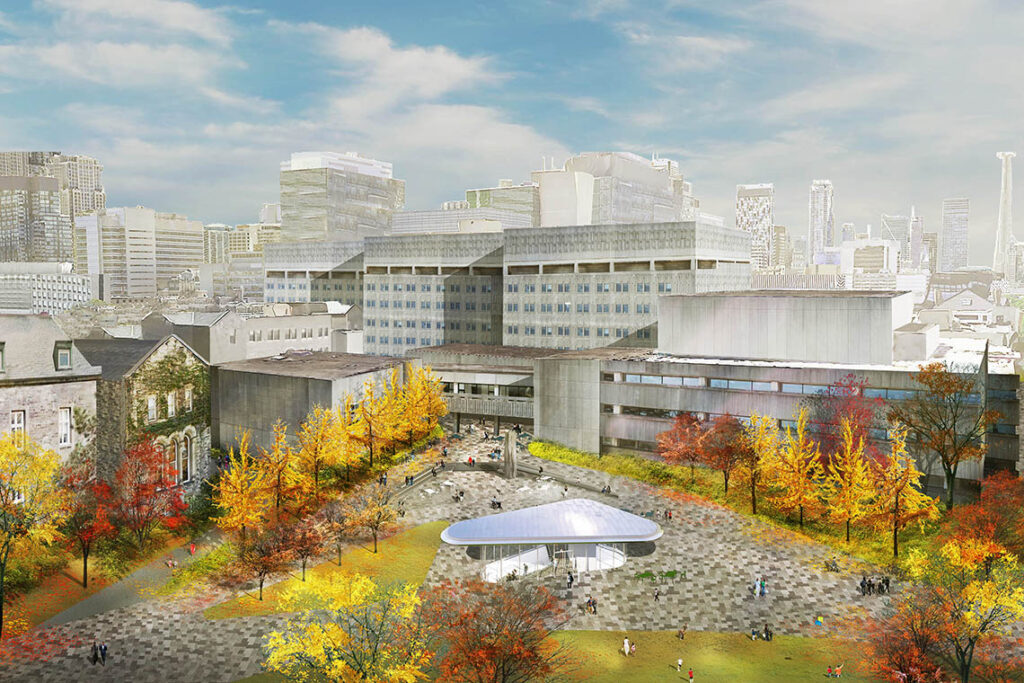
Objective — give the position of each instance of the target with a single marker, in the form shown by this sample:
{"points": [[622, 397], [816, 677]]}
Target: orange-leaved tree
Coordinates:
{"points": [[760, 449], [89, 518], [795, 475], [242, 492], [681, 443], [946, 420], [899, 499], [143, 495], [307, 540], [722, 448], [848, 490], [497, 632], [267, 554]]}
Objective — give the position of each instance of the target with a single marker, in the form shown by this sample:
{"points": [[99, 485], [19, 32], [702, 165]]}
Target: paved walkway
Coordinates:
{"points": [[717, 553]]}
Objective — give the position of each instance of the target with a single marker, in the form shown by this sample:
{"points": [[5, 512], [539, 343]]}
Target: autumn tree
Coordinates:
{"points": [[796, 473], [722, 448], [422, 404], [350, 629], [897, 489], [946, 420], [681, 444], [846, 399], [334, 521], [847, 484], [32, 503], [264, 556], [905, 644], [373, 416], [277, 464], [996, 515], [758, 451], [242, 492], [307, 540], [977, 588], [88, 518], [143, 496], [318, 447], [496, 632], [370, 510]]}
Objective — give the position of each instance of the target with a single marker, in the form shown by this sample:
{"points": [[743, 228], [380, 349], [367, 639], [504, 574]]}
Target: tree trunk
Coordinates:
{"points": [[801, 518], [847, 531], [950, 483], [85, 566], [725, 475], [339, 554], [303, 569], [753, 494], [895, 527], [261, 590], [693, 472], [375, 541]]}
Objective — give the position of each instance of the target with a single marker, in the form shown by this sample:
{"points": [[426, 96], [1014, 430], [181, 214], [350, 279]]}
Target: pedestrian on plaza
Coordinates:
{"points": [[679, 664], [95, 658], [691, 674], [192, 548], [681, 633], [863, 585], [103, 653], [593, 605], [670, 515], [657, 594], [757, 583], [632, 649], [764, 587], [885, 583], [625, 645], [565, 491]]}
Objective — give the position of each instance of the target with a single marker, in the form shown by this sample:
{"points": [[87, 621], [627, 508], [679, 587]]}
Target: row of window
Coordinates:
{"points": [[511, 391], [289, 333], [65, 426], [411, 287], [438, 305], [427, 324], [152, 411], [584, 288]]}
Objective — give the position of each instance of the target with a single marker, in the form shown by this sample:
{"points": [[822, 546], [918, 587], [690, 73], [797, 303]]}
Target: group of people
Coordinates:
{"points": [[99, 654], [591, 605], [383, 479], [834, 671], [410, 480], [494, 454], [760, 587], [495, 503], [667, 514], [870, 585], [606, 489], [766, 635], [457, 497]]}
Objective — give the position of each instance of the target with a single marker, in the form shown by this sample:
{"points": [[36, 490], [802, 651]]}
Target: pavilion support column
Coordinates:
{"points": [[497, 425], [458, 422]]}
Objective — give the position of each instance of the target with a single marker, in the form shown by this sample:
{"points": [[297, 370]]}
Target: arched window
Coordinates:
{"points": [[185, 460], [167, 476]]}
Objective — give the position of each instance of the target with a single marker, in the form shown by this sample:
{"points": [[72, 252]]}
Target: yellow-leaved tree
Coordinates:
{"points": [[761, 449], [278, 464], [372, 417], [319, 442], [350, 630], [242, 492], [423, 405], [32, 504], [899, 499], [848, 489], [795, 475]]}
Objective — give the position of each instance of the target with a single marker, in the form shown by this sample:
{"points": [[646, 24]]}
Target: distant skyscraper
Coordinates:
{"points": [[32, 227], [1004, 228], [849, 232], [755, 213], [326, 195], [953, 246], [915, 239], [782, 248], [821, 220], [930, 251], [80, 177], [897, 229]]}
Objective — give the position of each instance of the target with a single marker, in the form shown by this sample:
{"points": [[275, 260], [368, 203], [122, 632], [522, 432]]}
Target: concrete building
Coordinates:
{"points": [[955, 220], [46, 383], [930, 251], [577, 287], [755, 213], [296, 272], [432, 289], [838, 327], [457, 219], [614, 188], [897, 229], [41, 288], [523, 199], [821, 220], [137, 250], [869, 255], [80, 178], [782, 249], [32, 227], [331, 196], [253, 395], [240, 278], [159, 387], [848, 232]]}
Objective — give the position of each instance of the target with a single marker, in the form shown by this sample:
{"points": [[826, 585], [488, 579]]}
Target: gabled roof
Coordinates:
{"points": [[578, 520], [28, 345], [120, 357], [197, 318]]}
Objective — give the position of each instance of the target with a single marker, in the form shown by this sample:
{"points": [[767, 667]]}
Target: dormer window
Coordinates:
{"points": [[62, 356]]}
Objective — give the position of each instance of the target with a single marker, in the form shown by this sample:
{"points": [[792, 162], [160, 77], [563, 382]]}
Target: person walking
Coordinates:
{"points": [[593, 606], [679, 664], [691, 674], [625, 645], [103, 653], [764, 587], [657, 594], [95, 658]]}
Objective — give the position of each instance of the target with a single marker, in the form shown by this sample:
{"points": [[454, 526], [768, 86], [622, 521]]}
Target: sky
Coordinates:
{"points": [[191, 106]]}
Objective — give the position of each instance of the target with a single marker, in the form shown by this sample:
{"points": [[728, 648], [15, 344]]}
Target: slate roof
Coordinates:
{"points": [[116, 356], [28, 350]]}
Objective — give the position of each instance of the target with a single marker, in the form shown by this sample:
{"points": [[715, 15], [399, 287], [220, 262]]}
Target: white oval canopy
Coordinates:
{"points": [[578, 520]]}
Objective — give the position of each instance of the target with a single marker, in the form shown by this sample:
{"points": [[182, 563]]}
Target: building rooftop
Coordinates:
{"points": [[196, 318], [314, 364], [578, 520], [28, 348], [486, 350], [116, 356], [800, 293]]}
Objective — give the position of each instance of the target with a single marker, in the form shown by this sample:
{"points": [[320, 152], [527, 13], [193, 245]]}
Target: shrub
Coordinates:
{"points": [[201, 568]]}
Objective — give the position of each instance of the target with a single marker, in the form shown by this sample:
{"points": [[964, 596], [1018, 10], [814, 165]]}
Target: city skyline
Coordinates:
{"points": [[468, 107]]}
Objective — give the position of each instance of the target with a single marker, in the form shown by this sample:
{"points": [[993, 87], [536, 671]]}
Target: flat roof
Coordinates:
{"points": [[798, 293], [313, 364], [487, 350], [577, 520]]}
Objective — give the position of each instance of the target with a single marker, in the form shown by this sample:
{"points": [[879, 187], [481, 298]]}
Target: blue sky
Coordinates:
{"points": [[192, 105]]}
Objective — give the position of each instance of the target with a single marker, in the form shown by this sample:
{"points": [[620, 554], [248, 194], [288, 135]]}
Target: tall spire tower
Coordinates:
{"points": [[1004, 229]]}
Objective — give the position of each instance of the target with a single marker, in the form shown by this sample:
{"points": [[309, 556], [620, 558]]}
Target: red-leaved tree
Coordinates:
{"points": [[680, 445], [143, 495], [722, 447], [496, 632], [89, 518], [997, 515], [845, 400]]}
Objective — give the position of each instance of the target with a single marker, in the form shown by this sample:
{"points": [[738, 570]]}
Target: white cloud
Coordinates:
{"points": [[834, 95], [673, 48], [170, 16], [257, 105]]}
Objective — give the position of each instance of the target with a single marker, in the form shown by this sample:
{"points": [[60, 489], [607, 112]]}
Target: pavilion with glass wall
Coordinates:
{"points": [[580, 534]]}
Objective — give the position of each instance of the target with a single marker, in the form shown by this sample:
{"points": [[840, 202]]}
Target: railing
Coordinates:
{"points": [[502, 406]]}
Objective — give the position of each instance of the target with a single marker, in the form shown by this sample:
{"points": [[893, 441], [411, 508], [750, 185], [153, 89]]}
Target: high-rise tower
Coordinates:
{"points": [[755, 213], [953, 247], [821, 220], [1004, 228]]}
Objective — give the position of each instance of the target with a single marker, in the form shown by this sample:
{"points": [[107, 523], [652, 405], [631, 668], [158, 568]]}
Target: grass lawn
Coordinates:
{"points": [[715, 657], [865, 542], [63, 589], [725, 657], [405, 557]]}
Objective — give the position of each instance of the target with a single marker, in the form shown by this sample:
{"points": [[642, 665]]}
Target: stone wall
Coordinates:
{"points": [[42, 404]]}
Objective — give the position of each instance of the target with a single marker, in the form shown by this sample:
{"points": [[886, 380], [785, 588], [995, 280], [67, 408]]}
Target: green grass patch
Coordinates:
{"points": [[403, 558], [865, 543], [725, 657], [199, 569]]}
